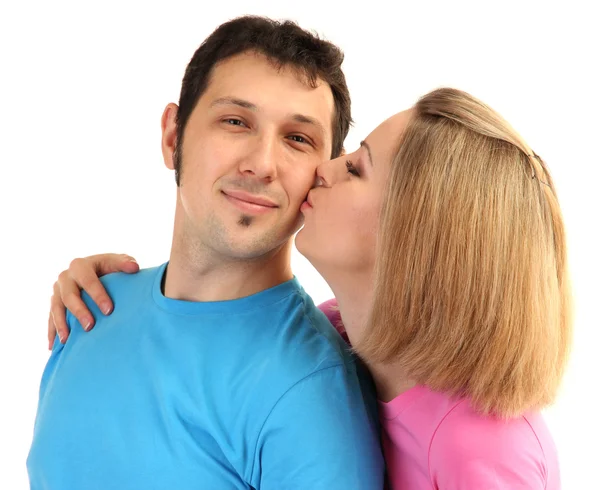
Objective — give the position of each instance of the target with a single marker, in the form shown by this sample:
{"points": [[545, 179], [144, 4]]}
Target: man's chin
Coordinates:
{"points": [[254, 247]]}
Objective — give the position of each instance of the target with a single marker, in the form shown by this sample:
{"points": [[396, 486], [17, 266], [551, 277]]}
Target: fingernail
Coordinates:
{"points": [[105, 308], [87, 324], [131, 259], [60, 338]]}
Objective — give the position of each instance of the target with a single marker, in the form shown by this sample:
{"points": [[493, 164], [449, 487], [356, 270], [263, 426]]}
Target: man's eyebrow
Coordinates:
{"points": [[234, 101], [301, 118], [366, 145]]}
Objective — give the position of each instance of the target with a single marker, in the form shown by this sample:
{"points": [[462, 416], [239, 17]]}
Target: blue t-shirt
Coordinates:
{"points": [[258, 392]]}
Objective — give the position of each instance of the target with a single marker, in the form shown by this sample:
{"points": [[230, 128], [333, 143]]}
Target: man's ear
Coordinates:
{"points": [[169, 134]]}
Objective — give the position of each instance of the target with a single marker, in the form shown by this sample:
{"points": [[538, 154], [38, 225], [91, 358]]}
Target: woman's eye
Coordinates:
{"points": [[352, 169]]}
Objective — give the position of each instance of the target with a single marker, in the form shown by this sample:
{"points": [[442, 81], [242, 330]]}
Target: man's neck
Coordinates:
{"points": [[191, 276]]}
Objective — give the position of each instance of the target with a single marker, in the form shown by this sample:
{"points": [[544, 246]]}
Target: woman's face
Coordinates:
{"points": [[341, 214]]}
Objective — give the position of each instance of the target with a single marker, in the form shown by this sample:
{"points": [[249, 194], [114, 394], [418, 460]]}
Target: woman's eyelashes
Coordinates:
{"points": [[352, 169]]}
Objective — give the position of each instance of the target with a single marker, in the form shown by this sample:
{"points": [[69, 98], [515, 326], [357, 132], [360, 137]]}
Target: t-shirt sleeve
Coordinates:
{"points": [[490, 456], [319, 436]]}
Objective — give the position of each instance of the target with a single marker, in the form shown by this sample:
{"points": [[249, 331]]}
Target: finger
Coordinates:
{"points": [[86, 272], [82, 275], [129, 264], [51, 331], [109, 263], [68, 295], [58, 314]]}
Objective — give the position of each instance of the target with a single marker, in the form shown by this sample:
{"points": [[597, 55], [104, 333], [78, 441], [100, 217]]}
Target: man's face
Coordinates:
{"points": [[249, 153]]}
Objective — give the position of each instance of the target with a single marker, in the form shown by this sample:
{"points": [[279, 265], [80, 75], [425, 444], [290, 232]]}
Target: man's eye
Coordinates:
{"points": [[298, 139], [234, 122]]}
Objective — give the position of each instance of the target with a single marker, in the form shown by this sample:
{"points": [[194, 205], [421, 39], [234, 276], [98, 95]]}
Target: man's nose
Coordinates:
{"points": [[263, 159]]}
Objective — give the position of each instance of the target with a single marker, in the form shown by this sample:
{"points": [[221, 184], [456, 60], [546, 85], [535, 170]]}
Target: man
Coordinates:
{"points": [[216, 370]]}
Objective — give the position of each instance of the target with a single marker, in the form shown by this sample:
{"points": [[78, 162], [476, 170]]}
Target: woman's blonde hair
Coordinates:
{"points": [[471, 295]]}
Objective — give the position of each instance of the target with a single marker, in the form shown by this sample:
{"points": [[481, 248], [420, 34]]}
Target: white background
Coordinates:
{"points": [[82, 88]]}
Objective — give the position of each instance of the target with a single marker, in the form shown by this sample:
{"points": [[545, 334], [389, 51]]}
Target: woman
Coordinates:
{"points": [[443, 242]]}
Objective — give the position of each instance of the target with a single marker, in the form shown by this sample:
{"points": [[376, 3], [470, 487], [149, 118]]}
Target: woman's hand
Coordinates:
{"points": [[83, 273]]}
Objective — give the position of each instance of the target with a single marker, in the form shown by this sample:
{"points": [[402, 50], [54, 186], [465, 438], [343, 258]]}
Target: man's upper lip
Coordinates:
{"points": [[244, 196]]}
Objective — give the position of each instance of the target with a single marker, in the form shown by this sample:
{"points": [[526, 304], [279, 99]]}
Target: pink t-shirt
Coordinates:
{"points": [[431, 441]]}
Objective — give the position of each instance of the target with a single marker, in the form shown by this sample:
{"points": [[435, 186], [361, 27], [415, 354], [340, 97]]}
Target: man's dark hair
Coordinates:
{"points": [[282, 42]]}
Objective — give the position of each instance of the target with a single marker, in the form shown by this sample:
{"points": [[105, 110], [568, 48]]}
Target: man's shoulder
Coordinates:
{"points": [[309, 340], [125, 289], [119, 280]]}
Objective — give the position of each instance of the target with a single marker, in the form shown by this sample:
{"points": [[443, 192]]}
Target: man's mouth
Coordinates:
{"points": [[249, 203]]}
